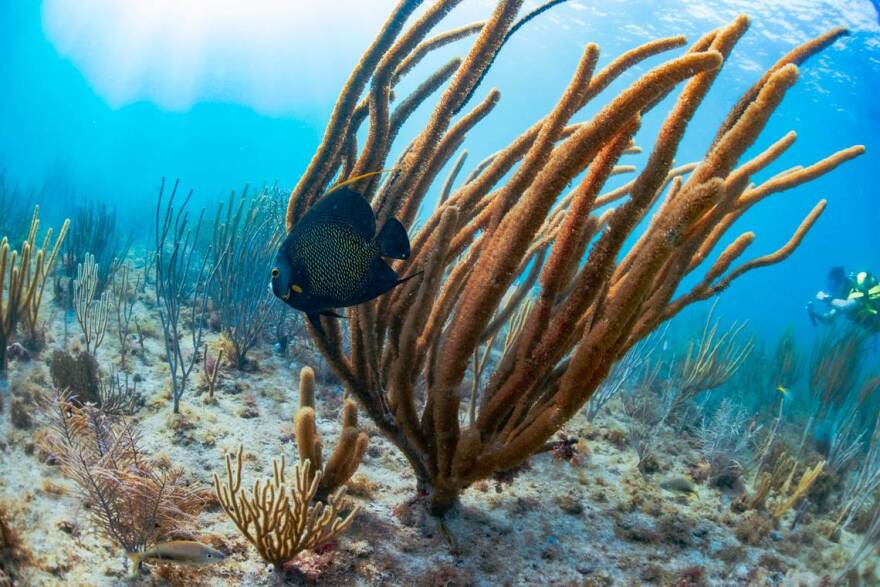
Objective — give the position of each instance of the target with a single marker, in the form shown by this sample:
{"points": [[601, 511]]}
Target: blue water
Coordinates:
{"points": [[103, 100]]}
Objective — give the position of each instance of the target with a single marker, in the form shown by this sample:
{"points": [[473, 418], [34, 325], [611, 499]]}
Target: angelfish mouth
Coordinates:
{"points": [[272, 291]]}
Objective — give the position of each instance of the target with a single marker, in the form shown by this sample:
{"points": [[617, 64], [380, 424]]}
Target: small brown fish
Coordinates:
{"points": [[679, 484], [183, 552]]}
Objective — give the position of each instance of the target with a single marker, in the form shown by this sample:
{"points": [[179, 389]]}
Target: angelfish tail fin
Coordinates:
{"points": [[393, 240]]}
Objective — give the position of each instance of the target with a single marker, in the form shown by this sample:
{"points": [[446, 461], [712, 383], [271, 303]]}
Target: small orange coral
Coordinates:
{"points": [[349, 450], [278, 517]]}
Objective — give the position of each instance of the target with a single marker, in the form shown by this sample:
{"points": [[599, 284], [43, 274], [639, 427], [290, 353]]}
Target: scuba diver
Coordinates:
{"points": [[856, 296]]}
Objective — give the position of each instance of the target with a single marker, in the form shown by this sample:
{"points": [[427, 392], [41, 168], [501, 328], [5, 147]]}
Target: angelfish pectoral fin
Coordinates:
{"points": [[315, 319], [331, 314], [408, 277]]}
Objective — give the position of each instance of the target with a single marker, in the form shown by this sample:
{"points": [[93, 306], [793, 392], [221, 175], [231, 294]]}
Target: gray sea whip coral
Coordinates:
{"points": [[407, 353]]}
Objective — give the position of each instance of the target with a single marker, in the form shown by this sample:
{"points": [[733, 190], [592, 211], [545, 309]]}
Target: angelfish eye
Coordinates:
{"points": [[296, 289], [275, 273]]}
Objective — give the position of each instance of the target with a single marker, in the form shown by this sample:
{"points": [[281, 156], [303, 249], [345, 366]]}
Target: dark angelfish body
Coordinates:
{"points": [[332, 258]]}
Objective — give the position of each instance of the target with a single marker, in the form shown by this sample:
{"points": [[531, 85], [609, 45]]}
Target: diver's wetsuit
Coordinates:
{"points": [[860, 303]]}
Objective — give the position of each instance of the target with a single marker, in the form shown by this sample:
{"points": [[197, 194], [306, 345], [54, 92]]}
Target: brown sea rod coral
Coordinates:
{"points": [[405, 355]]}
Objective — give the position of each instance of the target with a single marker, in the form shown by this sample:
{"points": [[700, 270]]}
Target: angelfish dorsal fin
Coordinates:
{"points": [[344, 206], [357, 178]]}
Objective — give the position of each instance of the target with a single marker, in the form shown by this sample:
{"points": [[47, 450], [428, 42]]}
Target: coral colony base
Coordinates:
{"points": [[519, 414]]}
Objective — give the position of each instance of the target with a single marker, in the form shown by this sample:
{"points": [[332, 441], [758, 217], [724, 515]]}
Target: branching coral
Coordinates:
{"points": [[123, 293], [406, 354], [835, 366], [838, 398], [786, 365], [350, 448], [278, 516], [624, 373], [132, 501], [23, 277], [864, 482], [777, 476], [245, 238], [211, 371], [79, 377], [92, 312], [867, 546], [789, 499], [776, 483], [709, 363], [181, 288], [725, 440], [93, 232]]}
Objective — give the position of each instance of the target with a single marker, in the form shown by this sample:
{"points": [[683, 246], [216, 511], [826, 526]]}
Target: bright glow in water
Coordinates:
{"points": [[178, 52]]}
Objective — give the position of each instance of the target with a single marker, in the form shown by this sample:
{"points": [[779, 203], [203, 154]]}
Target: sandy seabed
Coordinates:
{"points": [[591, 520]]}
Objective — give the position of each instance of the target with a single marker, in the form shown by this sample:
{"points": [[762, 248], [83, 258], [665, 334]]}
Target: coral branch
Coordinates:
{"points": [[278, 517], [514, 225]]}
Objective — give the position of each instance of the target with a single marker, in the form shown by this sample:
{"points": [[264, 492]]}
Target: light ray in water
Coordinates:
{"points": [[176, 53]]}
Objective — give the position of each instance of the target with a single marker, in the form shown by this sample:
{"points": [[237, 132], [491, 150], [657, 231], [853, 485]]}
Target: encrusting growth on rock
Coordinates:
{"points": [[349, 450], [405, 355]]}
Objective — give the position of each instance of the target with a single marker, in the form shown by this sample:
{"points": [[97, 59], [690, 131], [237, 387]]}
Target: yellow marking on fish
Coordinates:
{"points": [[351, 180], [296, 289], [782, 390]]}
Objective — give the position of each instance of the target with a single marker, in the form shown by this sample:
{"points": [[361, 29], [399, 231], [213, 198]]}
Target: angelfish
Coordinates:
{"points": [[333, 257], [185, 552]]}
